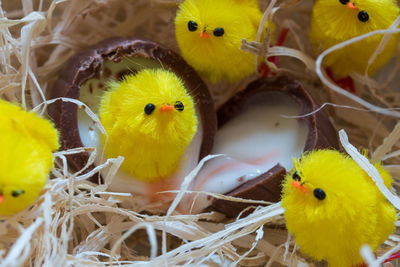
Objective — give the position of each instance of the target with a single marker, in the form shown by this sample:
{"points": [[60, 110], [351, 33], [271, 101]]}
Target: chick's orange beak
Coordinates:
{"points": [[166, 108], [204, 35], [351, 5], [299, 186], [1, 198]]}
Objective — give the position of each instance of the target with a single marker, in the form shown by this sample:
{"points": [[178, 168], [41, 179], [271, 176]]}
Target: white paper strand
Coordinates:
{"points": [[368, 168]]}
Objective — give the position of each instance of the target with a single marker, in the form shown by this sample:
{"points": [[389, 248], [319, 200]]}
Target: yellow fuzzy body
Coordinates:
{"points": [[218, 58], [27, 142], [333, 23], [152, 145], [353, 213]]}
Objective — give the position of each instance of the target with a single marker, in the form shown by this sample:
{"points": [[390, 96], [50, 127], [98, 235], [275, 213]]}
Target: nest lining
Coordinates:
{"points": [[78, 223]]}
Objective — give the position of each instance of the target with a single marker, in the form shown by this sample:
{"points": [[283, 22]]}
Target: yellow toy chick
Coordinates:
{"points": [[333, 207], [26, 142], [335, 21], [150, 119], [209, 34]]}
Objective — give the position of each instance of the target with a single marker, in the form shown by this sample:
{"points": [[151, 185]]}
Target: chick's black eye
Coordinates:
{"points": [[219, 32], [149, 108], [319, 193], [296, 176], [192, 26], [363, 16], [179, 106], [344, 2], [17, 192]]}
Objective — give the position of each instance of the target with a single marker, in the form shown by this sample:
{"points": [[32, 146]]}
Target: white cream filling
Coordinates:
{"points": [[252, 143]]}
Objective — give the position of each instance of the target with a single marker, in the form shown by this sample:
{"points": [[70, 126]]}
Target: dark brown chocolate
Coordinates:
{"points": [[267, 186], [88, 64]]}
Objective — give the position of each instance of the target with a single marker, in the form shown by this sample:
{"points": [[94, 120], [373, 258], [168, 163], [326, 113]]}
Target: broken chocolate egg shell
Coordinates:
{"points": [[85, 77], [290, 137]]}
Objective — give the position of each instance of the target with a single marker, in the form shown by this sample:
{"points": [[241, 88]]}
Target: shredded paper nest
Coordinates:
{"points": [[78, 223]]}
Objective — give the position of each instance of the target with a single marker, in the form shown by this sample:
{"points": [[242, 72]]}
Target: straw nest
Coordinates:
{"points": [[77, 223]]}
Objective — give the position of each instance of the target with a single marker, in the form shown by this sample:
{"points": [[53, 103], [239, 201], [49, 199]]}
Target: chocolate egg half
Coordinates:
{"points": [[85, 78], [258, 142]]}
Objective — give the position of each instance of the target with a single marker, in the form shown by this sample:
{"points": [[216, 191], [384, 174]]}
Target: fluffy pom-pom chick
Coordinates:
{"points": [[335, 21], [150, 119], [333, 207], [209, 34], [26, 142]]}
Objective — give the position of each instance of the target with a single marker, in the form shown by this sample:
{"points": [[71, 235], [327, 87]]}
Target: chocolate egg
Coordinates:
{"points": [[258, 143], [85, 78]]}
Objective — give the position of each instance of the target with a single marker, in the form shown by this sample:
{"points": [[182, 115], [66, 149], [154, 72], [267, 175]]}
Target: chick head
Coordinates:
{"points": [[335, 21], [210, 33], [150, 120], [349, 18], [27, 142], [329, 199]]}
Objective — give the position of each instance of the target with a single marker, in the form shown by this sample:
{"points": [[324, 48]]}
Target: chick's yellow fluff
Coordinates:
{"points": [[333, 22], [218, 57], [354, 212], [152, 144], [27, 142]]}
